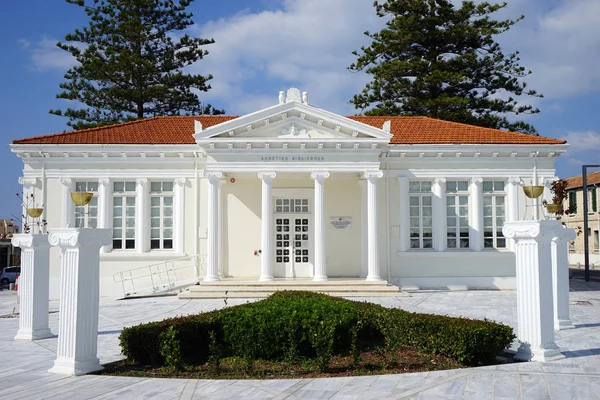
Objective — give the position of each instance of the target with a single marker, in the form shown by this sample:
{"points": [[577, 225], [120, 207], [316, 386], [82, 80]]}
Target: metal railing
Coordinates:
{"points": [[161, 277]]}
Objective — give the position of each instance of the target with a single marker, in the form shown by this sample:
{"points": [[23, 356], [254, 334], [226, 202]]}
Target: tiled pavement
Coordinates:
{"points": [[23, 366]]}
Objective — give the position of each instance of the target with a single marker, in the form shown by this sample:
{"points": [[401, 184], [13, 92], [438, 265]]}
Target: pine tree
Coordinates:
{"points": [[130, 66], [433, 59]]}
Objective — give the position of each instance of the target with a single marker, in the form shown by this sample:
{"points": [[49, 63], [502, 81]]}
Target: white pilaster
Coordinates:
{"points": [[142, 215], [105, 207], [67, 206], [76, 353], [33, 286], [266, 233], [372, 178], [212, 240], [28, 190], [404, 244], [535, 321], [560, 278], [476, 213], [319, 207], [179, 214], [364, 250], [512, 204], [439, 214]]}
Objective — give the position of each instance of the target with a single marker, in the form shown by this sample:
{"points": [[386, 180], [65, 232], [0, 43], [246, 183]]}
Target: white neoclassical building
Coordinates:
{"points": [[294, 191]]}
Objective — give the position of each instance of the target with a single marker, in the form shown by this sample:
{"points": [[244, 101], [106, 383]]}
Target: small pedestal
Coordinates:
{"points": [[79, 298], [33, 286], [535, 305], [560, 278]]}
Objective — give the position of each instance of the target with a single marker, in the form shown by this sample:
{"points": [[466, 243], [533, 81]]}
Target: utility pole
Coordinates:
{"points": [[586, 241]]}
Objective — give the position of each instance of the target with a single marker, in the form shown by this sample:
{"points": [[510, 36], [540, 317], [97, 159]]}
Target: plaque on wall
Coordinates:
{"points": [[340, 222]]}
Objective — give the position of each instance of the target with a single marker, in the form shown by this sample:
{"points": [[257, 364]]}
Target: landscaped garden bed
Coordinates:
{"points": [[304, 334]]}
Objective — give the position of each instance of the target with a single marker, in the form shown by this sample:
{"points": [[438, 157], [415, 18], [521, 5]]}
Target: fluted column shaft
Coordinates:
{"points": [[403, 184], [178, 214], [476, 228], [212, 240], [142, 215], [560, 280], [439, 214], [372, 178], [105, 207], [266, 233], [319, 208]]}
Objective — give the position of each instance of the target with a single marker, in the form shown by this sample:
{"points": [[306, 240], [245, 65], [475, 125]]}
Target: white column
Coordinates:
{"points": [[364, 250], [33, 286], [319, 207], [372, 178], [476, 213], [535, 313], [212, 240], [439, 214], [404, 211], [221, 230], [142, 215], [105, 207], [67, 217], [560, 279], [28, 190], [512, 204], [266, 232], [179, 214], [76, 353]]}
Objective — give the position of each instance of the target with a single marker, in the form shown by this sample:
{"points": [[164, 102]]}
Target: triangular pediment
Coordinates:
{"points": [[293, 121]]}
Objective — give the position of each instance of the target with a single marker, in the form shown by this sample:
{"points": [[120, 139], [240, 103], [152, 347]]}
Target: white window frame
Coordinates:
{"points": [[494, 194], [87, 214], [121, 198], [420, 190], [455, 190], [164, 198]]}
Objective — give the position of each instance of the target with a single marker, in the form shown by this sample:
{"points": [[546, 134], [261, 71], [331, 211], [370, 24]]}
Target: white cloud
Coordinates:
{"points": [[24, 42], [45, 55], [582, 142]]}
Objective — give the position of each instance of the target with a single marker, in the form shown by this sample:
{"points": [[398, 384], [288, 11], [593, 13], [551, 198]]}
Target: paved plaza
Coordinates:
{"points": [[24, 365]]}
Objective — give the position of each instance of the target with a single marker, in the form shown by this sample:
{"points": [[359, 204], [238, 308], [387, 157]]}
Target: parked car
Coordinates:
{"points": [[9, 275]]}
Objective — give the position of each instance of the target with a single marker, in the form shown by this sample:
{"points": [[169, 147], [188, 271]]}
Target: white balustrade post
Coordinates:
{"points": [[142, 215], [535, 310], [560, 278], [439, 214], [372, 178], [320, 274], [476, 226], [179, 214], [76, 353], [34, 284], [104, 207], [212, 240], [404, 244], [67, 216], [266, 233]]}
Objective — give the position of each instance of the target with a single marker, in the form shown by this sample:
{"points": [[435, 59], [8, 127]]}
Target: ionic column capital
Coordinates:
{"points": [[213, 176], [476, 180], [266, 176], [27, 183], [180, 182], [104, 182], [514, 180], [371, 175], [142, 181], [439, 181], [29, 240], [80, 237], [319, 175], [66, 182]]}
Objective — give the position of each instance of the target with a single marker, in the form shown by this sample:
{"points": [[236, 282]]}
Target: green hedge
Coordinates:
{"points": [[291, 325]]}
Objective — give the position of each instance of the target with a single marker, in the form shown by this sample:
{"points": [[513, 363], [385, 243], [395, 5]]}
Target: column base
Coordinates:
{"points": [[564, 324], [66, 366], [543, 354], [27, 335], [373, 278], [319, 278], [267, 278], [211, 278]]}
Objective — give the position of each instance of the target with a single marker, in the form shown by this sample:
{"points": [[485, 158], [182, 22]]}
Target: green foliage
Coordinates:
{"points": [[296, 326], [130, 63], [435, 60]]}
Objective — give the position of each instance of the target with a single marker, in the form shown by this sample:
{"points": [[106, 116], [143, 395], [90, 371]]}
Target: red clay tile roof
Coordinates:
{"points": [[577, 181], [179, 130]]}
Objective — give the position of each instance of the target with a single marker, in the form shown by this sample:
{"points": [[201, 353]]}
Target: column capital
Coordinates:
{"points": [[180, 182], [514, 180], [266, 175], [537, 230], [80, 237], [213, 175], [319, 175], [142, 181], [372, 174], [547, 181], [66, 182], [27, 183], [439, 181], [104, 181], [29, 240], [476, 180]]}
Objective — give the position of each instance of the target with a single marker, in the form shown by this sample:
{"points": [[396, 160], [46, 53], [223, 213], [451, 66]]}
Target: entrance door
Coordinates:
{"points": [[293, 237]]}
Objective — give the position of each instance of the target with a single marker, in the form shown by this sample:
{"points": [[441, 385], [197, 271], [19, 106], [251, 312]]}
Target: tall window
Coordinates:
{"points": [[87, 216], [493, 214], [573, 201], [161, 215], [124, 215], [420, 215], [457, 214]]}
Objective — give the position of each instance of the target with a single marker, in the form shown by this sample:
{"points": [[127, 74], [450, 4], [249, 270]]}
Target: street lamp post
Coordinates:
{"points": [[586, 243]]}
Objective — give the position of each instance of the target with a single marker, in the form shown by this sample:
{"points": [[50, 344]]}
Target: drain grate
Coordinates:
{"points": [[580, 303]]}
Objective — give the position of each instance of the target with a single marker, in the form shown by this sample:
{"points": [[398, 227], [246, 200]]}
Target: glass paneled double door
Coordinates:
{"points": [[293, 238]]}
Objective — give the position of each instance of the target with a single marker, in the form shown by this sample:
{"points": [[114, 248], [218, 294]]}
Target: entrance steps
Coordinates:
{"points": [[341, 287]]}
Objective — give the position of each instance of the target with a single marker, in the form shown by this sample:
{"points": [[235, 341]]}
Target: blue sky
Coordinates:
{"points": [[263, 46]]}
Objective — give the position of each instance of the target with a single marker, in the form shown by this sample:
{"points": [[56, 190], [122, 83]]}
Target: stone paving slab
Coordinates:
{"points": [[24, 365]]}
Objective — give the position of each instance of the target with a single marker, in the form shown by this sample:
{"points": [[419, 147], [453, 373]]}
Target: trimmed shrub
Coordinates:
{"points": [[292, 325]]}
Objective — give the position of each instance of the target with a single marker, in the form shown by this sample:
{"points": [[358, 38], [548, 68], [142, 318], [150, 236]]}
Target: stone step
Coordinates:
{"points": [[294, 282], [320, 288], [261, 295]]}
